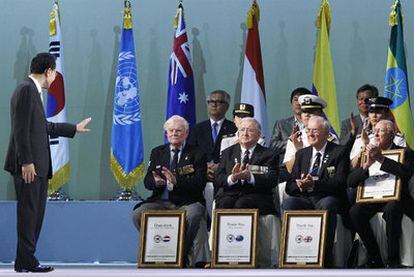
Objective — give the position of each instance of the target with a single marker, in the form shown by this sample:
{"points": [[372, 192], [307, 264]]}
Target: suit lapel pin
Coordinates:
{"points": [[186, 158], [325, 159]]}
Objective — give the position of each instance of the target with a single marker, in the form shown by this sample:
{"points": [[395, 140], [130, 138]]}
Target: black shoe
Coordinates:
{"points": [[395, 265], [372, 264], [38, 268]]}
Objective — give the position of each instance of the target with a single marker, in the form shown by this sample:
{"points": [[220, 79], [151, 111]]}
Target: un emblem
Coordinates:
{"points": [[126, 102], [396, 86]]}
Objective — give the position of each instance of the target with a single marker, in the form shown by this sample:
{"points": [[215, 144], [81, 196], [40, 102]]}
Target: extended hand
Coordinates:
{"points": [[364, 136], [80, 127], [28, 173]]}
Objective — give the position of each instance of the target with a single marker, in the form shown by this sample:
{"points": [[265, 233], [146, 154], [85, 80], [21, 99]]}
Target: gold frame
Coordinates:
{"points": [[180, 247], [254, 213], [397, 194], [285, 233]]}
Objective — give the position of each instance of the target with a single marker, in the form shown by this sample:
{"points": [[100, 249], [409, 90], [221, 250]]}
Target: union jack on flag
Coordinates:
{"points": [[181, 97]]}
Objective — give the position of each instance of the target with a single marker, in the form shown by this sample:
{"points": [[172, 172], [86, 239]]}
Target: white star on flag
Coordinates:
{"points": [[183, 97]]}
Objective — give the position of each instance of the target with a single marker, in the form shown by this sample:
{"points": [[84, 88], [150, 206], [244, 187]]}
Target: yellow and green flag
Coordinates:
{"points": [[323, 73], [396, 83]]}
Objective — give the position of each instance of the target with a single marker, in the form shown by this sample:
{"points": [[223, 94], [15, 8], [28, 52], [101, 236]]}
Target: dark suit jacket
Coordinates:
{"points": [[331, 183], [281, 132], [264, 183], [190, 185], [405, 171], [346, 130], [29, 142], [201, 136]]}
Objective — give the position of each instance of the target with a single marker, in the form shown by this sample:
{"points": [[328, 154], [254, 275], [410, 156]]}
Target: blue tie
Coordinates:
{"points": [[215, 125]]}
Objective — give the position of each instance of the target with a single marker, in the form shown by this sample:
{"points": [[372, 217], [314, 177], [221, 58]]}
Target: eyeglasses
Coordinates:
{"points": [[215, 102], [380, 130], [312, 130]]}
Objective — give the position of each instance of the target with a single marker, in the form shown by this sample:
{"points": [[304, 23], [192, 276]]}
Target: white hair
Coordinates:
{"points": [[390, 125], [176, 119], [325, 124], [252, 120]]}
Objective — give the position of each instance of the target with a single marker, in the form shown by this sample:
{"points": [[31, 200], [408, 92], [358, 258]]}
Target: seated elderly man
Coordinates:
{"points": [[247, 172], [176, 176], [361, 213], [318, 179]]}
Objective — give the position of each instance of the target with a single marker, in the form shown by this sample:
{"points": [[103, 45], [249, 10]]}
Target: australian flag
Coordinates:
{"points": [[180, 97]]}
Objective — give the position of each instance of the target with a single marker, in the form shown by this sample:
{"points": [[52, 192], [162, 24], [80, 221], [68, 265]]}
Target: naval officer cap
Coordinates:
{"points": [[311, 102], [378, 103], [243, 110]]}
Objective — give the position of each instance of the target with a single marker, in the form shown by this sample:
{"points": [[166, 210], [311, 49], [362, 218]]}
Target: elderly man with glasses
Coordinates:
{"points": [[361, 213]]}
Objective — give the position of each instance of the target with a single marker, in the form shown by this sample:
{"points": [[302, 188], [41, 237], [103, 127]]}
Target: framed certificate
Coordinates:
{"points": [[381, 186], [162, 239], [234, 238], [303, 239]]}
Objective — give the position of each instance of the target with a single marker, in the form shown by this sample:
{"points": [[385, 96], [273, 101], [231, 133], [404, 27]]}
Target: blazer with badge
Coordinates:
{"points": [[403, 170], [264, 166], [332, 174], [191, 175], [29, 141], [202, 137]]}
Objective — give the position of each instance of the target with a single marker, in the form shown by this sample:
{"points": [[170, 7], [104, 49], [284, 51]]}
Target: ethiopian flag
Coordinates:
{"points": [[396, 83]]}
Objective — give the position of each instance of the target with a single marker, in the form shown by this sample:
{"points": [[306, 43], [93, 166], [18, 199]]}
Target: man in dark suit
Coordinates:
{"points": [[176, 176], [28, 157], [283, 128], [207, 135], [347, 134], [247, 172], [361, 213], [319, 178]]}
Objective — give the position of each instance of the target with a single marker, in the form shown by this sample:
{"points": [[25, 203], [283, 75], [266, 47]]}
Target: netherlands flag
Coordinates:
{"points": [[253, 89]]}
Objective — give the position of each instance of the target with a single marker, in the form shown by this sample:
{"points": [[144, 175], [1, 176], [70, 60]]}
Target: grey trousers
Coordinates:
{"points": [[195, 212]]}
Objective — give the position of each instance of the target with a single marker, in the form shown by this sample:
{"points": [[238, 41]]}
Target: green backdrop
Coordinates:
{"points": [[216, 30]]}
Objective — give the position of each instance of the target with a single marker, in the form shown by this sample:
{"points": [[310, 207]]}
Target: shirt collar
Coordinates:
{"points": [[219, 123], [179, 148], [251, 150], [38, 86], [322, 151]]}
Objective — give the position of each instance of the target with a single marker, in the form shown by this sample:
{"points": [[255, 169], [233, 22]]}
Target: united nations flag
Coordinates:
{"points": [[127, 151]]}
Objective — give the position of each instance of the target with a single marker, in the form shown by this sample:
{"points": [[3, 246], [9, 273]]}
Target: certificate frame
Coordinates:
{"points": [[177, 217], [318, 216], [362, 197], [220, 218]]}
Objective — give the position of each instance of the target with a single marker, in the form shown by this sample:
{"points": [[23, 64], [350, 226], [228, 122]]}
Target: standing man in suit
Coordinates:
{"points": [[319, 178], [361, 120], [28, 157], [176, 176], [247, 172], [207, 135], [361, 213], [283, 128]]}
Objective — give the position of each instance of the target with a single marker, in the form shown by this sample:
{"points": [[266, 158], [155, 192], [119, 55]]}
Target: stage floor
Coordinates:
{"points": [[131, 270]]}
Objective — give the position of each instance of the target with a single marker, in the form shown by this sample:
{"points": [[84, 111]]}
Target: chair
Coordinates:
{"points": [[343, 238]]}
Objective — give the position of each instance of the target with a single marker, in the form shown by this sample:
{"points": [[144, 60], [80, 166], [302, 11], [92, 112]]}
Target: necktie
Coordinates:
{"points": [[315, 167], [215, 133], [174, 162], [245, 159]]}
